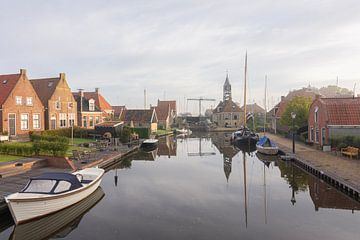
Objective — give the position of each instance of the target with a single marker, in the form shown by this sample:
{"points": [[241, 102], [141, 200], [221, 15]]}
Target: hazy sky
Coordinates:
{"points": [[178, 49]]}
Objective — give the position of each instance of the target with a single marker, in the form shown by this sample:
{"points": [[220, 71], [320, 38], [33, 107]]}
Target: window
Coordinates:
{"points": [[71, 117], [91, 105], [312, 134], [29, 101], [62, 119], [316, 116], [18, 100], [235, 117], [97, 119], [58, 105], [36, 121], [70, 105], [24, 121], [323, 140], [317, 135], [91, 121], [84, 121]]}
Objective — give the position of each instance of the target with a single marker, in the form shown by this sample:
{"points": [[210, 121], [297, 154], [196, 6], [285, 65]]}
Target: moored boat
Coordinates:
{"points": [[266, 146], [149, 144], [52, 192]]}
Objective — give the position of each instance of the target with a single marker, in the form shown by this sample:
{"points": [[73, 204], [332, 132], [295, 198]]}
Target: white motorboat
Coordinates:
{"points": [[266, 146], [52, 192], [149, 143]]}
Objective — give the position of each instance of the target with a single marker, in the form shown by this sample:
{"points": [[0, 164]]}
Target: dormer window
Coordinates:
{"points": [[57, 105], [29, 101], [18, 100], [91, 105], [316, 114]]}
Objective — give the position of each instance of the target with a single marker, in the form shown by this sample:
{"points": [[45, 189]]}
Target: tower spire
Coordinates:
{"points": [[227, 88]]}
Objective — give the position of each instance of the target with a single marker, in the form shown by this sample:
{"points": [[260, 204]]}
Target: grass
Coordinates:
{"points": [[81, 140], [7, 158], [71, 148]]}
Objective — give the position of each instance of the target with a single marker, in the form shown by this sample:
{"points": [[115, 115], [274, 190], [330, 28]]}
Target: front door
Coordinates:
{"points": [[12, 124], [53, 122]]}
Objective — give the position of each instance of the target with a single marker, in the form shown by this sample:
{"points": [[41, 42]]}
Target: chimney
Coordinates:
{"points": [[23, 71], [81, 93], [317, 96], [62, 75], [97, 90], [282, 98]]}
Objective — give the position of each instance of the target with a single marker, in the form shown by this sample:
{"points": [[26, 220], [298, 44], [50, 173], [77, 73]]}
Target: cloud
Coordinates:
{"points": [[183, 48]]}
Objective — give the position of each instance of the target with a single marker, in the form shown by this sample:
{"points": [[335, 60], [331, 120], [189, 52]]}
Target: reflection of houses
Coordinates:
{"points": [[60, 105], [21, 109], [222, 143], [166, 113], [332, 117], [324, 196], [140, 118], [167, 147], [145, 156], [227, 112]]}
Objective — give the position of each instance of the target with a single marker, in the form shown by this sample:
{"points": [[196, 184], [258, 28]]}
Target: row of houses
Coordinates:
{"points": [[48, 103]]}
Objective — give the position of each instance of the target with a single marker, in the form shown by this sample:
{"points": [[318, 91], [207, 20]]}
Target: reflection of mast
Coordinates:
{"points": [[265, 196], [245, 192], [116, 177]]}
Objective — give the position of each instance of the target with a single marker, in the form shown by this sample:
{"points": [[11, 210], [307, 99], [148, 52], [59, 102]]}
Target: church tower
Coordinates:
{"points": [[227, 89]]}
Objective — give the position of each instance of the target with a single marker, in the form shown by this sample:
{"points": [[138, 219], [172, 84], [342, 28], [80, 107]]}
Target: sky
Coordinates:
{"points": [[183, 49]]}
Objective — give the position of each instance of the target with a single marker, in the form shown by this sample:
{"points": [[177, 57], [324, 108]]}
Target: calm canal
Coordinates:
{"points": [[202, 188]]}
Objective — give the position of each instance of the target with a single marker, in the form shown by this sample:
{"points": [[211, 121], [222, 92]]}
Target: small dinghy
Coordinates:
{"points": [[52, 192], [266, 146], [149, 144]]}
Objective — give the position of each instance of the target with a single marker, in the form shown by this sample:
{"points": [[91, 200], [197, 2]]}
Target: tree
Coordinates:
{"points": [[300, 105]]}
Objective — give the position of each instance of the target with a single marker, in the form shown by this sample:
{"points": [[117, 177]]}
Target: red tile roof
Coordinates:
{"points": [[166, 104], [118, 110], [227, 106], [100, 101], [137, 115], [7, 84], [162, 112], [45, 88], [342, 111]]}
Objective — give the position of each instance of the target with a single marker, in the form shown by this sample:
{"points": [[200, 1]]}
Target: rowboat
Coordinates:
{"points": [[266, 146], [52, 192]]}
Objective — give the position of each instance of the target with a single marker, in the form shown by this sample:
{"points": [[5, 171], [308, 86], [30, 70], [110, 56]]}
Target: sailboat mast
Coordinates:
{"points": [[245, 76], [265, 106]]}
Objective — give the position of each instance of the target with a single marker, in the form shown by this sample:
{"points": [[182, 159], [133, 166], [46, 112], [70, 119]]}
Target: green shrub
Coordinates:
{"points": [[19, 149], [54, 148], [66, 132], [49, 138]]}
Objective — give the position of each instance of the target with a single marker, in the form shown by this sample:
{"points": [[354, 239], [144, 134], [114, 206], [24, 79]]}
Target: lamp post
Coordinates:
{"points": [[293, 116]]}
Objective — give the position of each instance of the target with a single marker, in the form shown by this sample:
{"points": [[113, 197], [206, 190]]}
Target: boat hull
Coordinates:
{"points": [[267, 150], [26, 209]]}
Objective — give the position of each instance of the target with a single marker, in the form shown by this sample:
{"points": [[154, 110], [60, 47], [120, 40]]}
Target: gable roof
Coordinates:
{"points": [[100, 101], [341, 111], [118, 110], [162, 112], [227, 106], [7, 84], [85, 103], [45, 88], [163, 104], [138, 115], [254, 108]]}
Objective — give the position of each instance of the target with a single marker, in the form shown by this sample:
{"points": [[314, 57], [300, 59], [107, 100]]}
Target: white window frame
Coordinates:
{"points": [[39, 121], [18, 100], [317, 135], [62, 120], [316, 114], [91, 105], [312, 134], [27, 121], [84, 121], [29, 101], [71, 119], [91, 121], [58, 105], [97, 119]]}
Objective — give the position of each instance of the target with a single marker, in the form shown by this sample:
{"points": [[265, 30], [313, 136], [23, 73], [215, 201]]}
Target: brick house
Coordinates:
{"points": [[166, 113], [101, 103], [20, 107], [140, 118], [332, 117], [88, 112], [60, 105]]}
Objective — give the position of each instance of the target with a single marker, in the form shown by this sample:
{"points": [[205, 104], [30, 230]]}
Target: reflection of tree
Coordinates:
{"points": [[294, 176]]}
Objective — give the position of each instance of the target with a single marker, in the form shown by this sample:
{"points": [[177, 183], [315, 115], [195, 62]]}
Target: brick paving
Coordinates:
{"points": [[344, 169]]}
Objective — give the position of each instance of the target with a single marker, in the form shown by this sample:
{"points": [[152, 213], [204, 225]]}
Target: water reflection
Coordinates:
{"points": [[60, 224]]}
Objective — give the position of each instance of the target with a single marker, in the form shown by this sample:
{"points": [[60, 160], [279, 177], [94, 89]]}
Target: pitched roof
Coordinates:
{"points": [[342, 111], [100, 101], [162, 112], [227, 106], [166, 104], [85, 103], [254, 108], [7, 84], [137, 115], [45, 88], [118, 110]]}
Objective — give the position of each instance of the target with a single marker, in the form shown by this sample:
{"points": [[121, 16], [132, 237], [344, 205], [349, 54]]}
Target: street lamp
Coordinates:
{"points": [[293, 116]]}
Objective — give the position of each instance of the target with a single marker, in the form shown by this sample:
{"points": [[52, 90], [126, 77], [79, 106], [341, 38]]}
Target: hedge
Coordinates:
{"points": [[143, 132], [66, 132], [55, 148], [344, 141], [18, 149], [37, 137]]}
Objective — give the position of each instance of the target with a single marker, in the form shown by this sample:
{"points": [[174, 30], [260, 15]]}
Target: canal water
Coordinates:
{"points": [[202, 188]]}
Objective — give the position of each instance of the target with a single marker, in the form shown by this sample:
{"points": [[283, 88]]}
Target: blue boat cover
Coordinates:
{"points": [[266, 142], [71, 178]]}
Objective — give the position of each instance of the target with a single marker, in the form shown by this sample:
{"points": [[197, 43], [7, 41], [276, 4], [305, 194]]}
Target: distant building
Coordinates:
{"points": [[253, 109], [21, 110], [118, 111], [166, 113], [333, 117], [89, 114], [140, 118], [60, 105], [227, 113]]}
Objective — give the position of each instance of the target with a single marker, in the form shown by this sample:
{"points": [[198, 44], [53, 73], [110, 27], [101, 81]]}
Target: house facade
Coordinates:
{"points": [[101, 104], [88, 112], [227, 113], [140, 118], [58, 100], [21, 110], [166, 113], [333, 117]]}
